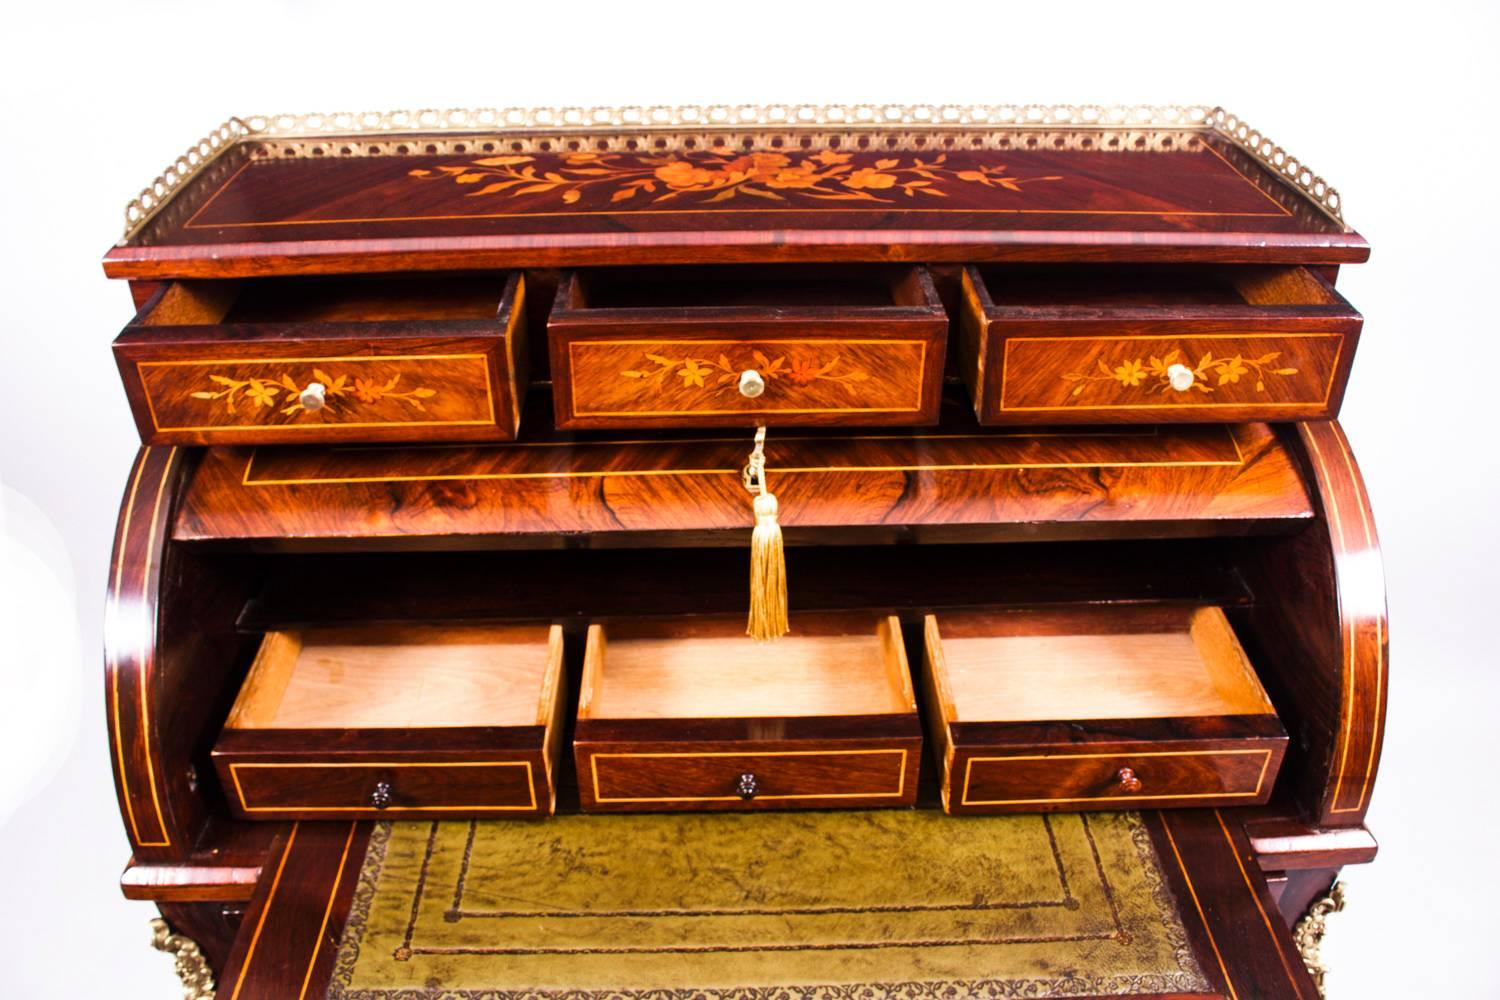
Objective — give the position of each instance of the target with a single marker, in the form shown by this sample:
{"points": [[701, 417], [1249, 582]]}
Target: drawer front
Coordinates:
{"points": [[641, 382], [344, 379], [629, 780], [1112, 780], [261, 399], [385, 788], [1238, 376]]}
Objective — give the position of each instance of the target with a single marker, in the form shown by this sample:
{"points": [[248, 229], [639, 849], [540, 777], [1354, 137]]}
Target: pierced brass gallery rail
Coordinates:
{"points": [[349, 133]]}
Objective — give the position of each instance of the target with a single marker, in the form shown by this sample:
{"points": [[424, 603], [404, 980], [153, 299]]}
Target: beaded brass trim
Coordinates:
{"points": [[907, 125], [191, 964]]}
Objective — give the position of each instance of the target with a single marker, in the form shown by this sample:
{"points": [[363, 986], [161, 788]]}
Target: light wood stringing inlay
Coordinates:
{"points": [[1123, 756], [236, 768], [1324, 374], [899, 791], [712, 367], [146, 649]]}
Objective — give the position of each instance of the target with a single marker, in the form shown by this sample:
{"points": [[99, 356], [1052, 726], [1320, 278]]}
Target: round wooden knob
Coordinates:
{"points": [[381, 796], [1128, 781], [751, 383], [1180, 377], [313, 397], [746, 787]]}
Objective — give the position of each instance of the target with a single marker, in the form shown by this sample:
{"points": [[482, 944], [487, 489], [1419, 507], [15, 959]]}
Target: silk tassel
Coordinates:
{"points": [[768, 601]]}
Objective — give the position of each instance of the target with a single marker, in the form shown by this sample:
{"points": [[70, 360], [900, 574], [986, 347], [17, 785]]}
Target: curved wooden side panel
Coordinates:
{"points": [[1320, 623], [169, 644], [1363, 634], [130, 627]]}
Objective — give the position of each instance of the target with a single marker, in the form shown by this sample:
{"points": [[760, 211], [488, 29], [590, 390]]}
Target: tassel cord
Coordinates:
{"points": [[768, 597]]}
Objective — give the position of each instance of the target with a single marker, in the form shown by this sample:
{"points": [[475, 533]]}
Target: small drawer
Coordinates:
{"points": [[310, 360], [737, 347], [1097, 708], [397, 722], [733, 775], [1086, 343], [306, 789], [692, 714]]}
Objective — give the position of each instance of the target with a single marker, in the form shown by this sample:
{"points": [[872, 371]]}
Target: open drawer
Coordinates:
{"points": [[1087, 343], [311, 360], [400, 721], [697, 347], [1097, 708], [691, 714]]}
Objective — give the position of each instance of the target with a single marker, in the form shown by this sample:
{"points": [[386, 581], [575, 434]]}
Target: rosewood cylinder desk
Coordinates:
{"points": [[472, 440]]}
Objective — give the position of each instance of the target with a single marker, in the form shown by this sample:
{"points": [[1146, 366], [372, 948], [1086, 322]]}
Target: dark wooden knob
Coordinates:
{"points": [[1128, 780], [381, 796], [746, 787]]}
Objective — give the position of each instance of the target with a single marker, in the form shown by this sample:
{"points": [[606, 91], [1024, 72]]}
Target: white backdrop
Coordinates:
{"points": [[97, 98]]}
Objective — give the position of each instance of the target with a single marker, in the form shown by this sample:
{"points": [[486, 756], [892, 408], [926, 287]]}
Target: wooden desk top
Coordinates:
{"points": [[548, 188]]}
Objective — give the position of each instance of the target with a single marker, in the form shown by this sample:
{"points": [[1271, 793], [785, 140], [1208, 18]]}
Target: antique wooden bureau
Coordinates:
{"points": [[452, 423]]}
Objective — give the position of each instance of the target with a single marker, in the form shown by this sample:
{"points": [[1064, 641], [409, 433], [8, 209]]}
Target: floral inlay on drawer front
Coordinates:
{"points": [[330, 389], [1170, 372], [713, 179], [304, 392], [723, 374], [635, 377], [1100, 373]]}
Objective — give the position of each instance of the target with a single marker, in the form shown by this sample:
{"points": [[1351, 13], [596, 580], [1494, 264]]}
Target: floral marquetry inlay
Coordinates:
{"points": [[632, 180], [1153, 374], [719, 375], [285, 393]]}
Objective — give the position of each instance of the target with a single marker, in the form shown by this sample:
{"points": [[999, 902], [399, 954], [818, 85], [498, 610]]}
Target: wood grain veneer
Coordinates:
{"points": [[1062, 253], [397, 721], [1098, 344], [399, 359], [783, 192], [675, 713], [683, 675], [397, 678], [655, 347], [1094, 707], [1322, 632], [1145, 663], [958, 483]]}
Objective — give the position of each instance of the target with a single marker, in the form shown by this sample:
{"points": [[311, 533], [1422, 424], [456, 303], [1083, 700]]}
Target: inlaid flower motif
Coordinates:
{"points": [[869, 177], [264, 392], [692, 373], [1231, 370], [803, 372], [725, 374], [367, 390], [717, 176], [1130, 373], [1133, 372], [683, 175]]}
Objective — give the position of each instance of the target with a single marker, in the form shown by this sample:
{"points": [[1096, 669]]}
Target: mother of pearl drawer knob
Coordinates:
{"points": [[1180, 377], [313, 397], [751, 383]]}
